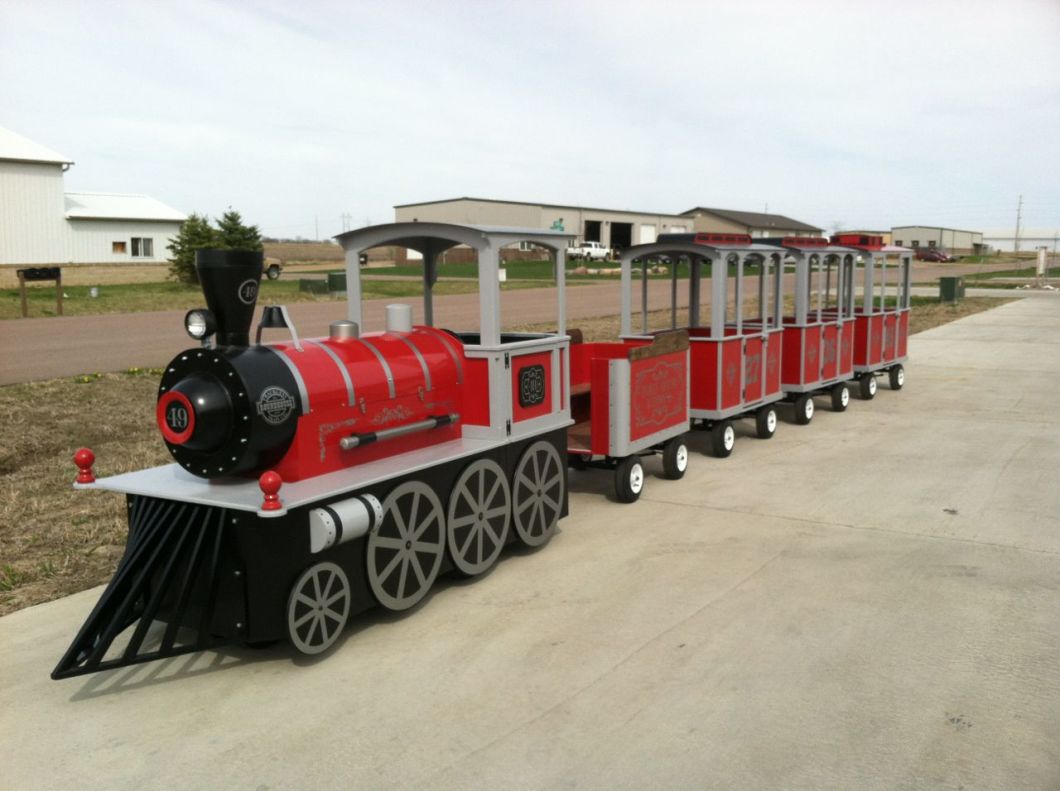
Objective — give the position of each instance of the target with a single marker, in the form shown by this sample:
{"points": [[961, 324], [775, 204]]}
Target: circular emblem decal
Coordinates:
{"points": [[176, 417], [248, 291], [275, 405]]}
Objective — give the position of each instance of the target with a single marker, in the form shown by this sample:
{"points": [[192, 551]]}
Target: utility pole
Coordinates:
{"points": [[346, 218], [1016, 238]]}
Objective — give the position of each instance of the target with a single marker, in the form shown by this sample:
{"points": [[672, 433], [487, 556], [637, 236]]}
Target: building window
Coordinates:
{"points": [[527, 246], [898, 243], [916, 243], [117, 247], [143, 247], [931, 243]]}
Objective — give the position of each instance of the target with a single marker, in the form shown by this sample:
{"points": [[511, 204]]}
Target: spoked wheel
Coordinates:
{"points": [[897, 377], [675, 458], [766, 422], [405, 552], [722, 439], [479, 516], [317, 608], [629, 479], [867, 385], [804, 409], [840, 397], [537, 494]]}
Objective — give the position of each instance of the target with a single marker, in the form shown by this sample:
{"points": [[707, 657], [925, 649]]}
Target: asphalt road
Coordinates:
{"points": [[46, 348], [868, 602]]}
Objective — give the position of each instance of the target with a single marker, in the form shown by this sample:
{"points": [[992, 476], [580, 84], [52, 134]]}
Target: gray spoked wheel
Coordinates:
{"points": [[479, 516], [537, 494], [405, 550], [317, 608]]}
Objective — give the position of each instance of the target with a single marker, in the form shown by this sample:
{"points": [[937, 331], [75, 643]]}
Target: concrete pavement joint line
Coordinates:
{"points": [[617, 665], [827, 523]]}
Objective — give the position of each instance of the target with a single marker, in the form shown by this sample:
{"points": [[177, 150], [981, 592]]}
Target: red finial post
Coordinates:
{"points": [[270, 483], [84, 459]]}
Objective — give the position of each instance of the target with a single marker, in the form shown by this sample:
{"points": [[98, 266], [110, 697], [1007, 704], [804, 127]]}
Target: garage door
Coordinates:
{"points": [[647, 234]]}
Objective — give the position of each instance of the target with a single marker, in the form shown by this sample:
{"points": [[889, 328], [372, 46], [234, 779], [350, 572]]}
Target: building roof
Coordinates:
{"points": [[755, 219], [112, 206], [541, 205], [931, 227], [17, 148]]}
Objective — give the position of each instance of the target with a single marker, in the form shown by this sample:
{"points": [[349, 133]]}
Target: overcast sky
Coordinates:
{"points": [[858, 112]]}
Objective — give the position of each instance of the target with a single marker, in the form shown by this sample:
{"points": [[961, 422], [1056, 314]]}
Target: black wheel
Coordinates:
{"points": [[840, 398], [897, 377], [478, 517], [629, 479], [675, 458], [317, 608], [766, 422], [867, 386], [404, 551], [578, 461], [537, 493], [273, 272], [804, 409], [722, 438]]}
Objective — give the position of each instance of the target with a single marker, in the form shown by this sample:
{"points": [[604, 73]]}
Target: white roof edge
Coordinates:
{"points": [[16, 148]]}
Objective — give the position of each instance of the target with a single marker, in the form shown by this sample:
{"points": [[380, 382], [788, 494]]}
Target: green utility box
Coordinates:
{"points": [[951, 289], [336, 281]]}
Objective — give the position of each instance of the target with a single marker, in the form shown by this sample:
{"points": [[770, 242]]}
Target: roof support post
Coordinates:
{"points": [[353, 286], [644, 295], [719, 293], [625, 326], [695, 273], [489, 294], [802, 287], [559, 262]]}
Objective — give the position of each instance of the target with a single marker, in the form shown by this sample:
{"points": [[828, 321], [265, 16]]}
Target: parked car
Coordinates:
{"points": [[273, 269], [933, 254], [590, 251]]}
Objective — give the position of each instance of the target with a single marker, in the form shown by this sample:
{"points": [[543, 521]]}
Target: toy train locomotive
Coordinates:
{"points": [[315, 478]]}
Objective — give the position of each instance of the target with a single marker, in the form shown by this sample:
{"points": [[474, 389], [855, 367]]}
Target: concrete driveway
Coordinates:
{"points": [[869, 602]]}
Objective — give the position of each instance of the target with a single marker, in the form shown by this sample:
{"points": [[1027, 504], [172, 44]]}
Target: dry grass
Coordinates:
{"points": [[55, 541]]}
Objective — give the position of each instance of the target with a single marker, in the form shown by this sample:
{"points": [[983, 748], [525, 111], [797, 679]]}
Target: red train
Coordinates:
{"points": [[316, 478]]}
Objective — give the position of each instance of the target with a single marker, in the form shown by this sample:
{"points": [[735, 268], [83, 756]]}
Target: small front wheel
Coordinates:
{"points": [[722, 439], [867, 386], [629, 479], [897, 377], [840, 398], [675, 458], [766, 422], [273, 272], [804, 409]]}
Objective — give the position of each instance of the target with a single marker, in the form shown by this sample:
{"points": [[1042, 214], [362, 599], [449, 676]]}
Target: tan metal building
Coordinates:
{"points": [[614, 228], [757, 224], [951, 240]]}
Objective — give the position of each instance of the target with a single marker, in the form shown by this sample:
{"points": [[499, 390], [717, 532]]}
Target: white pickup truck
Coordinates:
{"points": [[590, 251]]}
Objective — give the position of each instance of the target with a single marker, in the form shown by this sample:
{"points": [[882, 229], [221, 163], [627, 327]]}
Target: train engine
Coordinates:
{"points": [[312, 479]]}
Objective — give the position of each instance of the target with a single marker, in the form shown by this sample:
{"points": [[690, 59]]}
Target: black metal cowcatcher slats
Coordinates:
{"points": [[171, 565]]}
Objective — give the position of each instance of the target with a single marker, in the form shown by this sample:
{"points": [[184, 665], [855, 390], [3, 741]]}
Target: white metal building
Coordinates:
{"points": [[952, 240], [41, 224]]}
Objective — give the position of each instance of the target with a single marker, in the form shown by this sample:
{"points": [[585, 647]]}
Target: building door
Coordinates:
{"points": [[647, 234]]}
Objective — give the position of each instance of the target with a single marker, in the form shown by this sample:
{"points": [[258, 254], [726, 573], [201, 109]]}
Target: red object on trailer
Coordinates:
{"points": [[629, 399], [819, 334], [881, 316], [734, 361]]}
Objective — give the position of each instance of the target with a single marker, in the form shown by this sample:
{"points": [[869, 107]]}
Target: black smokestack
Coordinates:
{"points": [[230, 280]]}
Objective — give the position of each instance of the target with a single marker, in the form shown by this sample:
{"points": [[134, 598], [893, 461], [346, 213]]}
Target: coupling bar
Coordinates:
{"points": [[356, 440]]}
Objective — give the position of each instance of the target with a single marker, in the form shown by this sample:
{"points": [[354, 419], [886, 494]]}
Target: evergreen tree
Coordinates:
{"points": [[195, 234], [232, 234]]}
